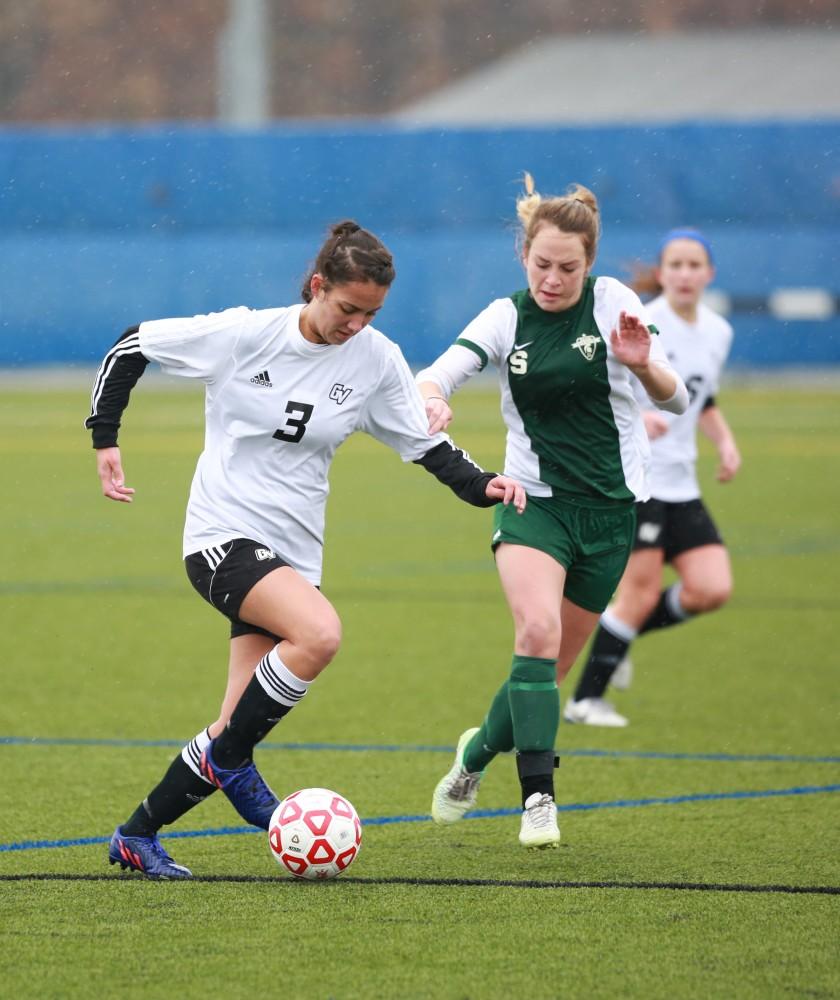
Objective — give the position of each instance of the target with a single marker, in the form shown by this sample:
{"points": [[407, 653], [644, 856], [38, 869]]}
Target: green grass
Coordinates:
{"points": [[105, 639]]}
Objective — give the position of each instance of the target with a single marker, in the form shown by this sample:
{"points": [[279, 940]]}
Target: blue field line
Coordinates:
{"points": [[670, 800], [72, 741]]}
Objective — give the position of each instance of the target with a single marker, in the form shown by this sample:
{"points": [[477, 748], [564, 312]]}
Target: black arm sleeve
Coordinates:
{"points": [[455, 469], [118, 374], [708, 403]]}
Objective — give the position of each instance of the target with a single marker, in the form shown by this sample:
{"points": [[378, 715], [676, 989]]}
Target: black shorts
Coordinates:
{"points": [[674, 527], [224, 574]]}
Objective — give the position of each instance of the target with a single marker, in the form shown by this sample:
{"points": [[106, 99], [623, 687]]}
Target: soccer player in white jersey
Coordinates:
{"points": [[284, 388], [674, 526], [566, 348]]}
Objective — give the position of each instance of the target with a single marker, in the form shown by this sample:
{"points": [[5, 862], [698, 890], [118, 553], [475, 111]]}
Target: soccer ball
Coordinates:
{"points": [[315, 834]]}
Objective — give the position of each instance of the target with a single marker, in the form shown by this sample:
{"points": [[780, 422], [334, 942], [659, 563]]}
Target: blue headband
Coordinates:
{"points": [[686, 234]]}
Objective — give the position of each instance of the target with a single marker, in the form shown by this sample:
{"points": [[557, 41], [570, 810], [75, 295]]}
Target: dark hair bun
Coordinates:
{"points": [[346, 228]]}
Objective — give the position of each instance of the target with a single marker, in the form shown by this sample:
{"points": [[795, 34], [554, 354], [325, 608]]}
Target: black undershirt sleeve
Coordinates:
{"points": [[709, 403], [451, 467], [118, 374]]}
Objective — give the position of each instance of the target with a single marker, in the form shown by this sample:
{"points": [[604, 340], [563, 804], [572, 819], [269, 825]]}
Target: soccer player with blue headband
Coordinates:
{"points": [[674, 526]]}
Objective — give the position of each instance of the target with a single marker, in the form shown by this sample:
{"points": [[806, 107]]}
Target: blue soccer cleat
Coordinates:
{"points": [[249, 795], [146, 855]]}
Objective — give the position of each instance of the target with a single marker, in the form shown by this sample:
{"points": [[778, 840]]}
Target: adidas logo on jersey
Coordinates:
{"points": [[263, 379]]}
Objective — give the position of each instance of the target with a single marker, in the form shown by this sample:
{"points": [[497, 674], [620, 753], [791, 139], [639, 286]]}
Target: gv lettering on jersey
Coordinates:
{"points": [[339, 393]]}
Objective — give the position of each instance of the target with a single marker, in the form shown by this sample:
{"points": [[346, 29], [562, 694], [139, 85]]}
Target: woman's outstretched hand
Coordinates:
{"points": [[631, 341]]}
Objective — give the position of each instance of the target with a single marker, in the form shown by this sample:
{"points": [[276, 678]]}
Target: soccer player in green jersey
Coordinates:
{"points": [[569, 349]]}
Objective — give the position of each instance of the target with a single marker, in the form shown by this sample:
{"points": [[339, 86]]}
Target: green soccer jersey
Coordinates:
{"points": [[574, 429]]}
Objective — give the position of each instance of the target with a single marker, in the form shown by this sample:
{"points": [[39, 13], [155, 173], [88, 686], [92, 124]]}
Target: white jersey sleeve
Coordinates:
{"points": [[200, 347], [487, 338], [394, 414]]}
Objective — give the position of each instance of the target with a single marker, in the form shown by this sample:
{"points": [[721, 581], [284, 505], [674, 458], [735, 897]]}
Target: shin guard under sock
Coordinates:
{"points": [[534, 702], [271, 693], [608, 649], [178, 791], [668, 611]]}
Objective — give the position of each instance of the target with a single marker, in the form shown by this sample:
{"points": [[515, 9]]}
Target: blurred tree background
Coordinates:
{"points": [[124, 60]]}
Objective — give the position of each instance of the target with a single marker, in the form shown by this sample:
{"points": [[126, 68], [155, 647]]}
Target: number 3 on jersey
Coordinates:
{"points": [[295, 426]]}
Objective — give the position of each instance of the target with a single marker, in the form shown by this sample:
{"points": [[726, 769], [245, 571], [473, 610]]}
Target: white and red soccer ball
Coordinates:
{"points": [[315, 834]]}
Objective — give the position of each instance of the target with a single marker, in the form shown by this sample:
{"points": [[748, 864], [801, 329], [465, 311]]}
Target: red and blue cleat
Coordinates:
{"points": [[146, 855], [249, 795]]}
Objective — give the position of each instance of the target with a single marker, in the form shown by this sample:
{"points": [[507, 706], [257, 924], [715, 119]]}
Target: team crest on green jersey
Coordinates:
{"points": [[587, 344]]}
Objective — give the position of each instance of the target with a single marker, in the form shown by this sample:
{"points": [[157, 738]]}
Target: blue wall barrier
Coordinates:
{"points": [[102, 228]]}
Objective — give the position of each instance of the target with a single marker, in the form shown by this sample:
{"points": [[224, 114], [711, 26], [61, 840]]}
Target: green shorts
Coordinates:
{"points": [[592, 544]]}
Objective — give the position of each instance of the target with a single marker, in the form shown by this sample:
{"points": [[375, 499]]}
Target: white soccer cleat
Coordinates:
{"points": [[593, 712], [456, 793], [539, 822], [622, 677]]}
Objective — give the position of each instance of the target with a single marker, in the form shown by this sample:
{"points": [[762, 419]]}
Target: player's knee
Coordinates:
{"points": [[539, 636], [322, 642], [718, 595], [709, 597]]}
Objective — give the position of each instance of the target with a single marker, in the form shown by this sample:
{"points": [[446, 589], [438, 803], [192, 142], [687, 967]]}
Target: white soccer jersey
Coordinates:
{"points": [[277, 407], [698, 351], [574, 427]]}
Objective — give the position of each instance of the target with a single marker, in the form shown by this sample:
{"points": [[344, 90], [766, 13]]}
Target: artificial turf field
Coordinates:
{"points": [[701, 846]]}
